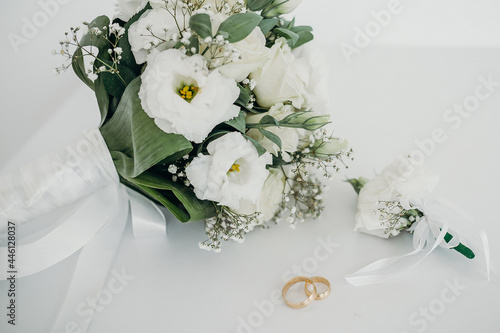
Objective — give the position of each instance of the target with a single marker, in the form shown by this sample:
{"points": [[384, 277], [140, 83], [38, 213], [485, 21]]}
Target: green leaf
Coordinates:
{"points": [[305, 35], [194, 43], [244, 97], [271, 136], [201, 24], [98, 41], [238, 26], [256, 5], [290, 36], [267, 24], [102, 99], [116, 83], [179, 199], [135, 142], [128, 58], [268, 120], [357, 184], [79, 68], [261, 150], [238, 122]]}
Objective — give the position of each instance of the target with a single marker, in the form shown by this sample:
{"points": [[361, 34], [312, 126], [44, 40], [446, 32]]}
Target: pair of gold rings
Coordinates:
{"points": [[312, 295]]}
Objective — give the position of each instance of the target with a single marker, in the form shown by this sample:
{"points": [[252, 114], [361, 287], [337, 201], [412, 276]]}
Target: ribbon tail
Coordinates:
{"points": [[384, 269]]}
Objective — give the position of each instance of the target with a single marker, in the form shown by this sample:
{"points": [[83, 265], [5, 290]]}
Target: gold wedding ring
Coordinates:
{"points": [[312, 281], [312, 295]]}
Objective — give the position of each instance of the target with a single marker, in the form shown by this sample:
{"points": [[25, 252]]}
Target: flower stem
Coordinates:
{"points": [[460, 248]]}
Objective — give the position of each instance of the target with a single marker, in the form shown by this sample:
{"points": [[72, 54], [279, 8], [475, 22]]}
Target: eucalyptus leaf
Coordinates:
{"points": [[290, 36], [271, 136], [268, 120], [260, 150], [256, 5], [201, 24], [305, 35], [238, 26], [244, 97], [238, 122], [135, 142], [267, 25]]}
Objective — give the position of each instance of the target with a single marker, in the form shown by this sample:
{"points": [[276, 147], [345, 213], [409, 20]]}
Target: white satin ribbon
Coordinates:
{"points": [[67, 202], [428, 234]]}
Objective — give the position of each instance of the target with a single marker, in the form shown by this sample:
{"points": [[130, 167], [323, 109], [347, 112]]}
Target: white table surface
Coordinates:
{"points": [[392, 94]]}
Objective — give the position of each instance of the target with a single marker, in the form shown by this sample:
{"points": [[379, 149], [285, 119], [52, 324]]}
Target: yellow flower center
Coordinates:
{"points": [[234, 167], [188, 92]]}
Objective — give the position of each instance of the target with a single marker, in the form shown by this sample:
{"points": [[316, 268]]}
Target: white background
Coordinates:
{"points": [[389, 96]]}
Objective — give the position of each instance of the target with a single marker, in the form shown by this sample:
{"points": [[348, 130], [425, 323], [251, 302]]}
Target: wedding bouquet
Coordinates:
{"points": [[215, 109]]}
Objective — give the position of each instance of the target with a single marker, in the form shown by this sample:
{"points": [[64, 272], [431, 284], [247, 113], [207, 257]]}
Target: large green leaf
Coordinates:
{"points": [[135, 142], [99, 41], [79, 68], [239, 26], [179, 199], [102, 99], [115, 83], [128, 58]]}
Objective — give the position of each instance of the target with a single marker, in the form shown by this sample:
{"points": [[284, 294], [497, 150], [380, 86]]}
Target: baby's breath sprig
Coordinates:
{"points": [[305, 198], [226, 225], [395, 218], [322, 152], [111, 34]]}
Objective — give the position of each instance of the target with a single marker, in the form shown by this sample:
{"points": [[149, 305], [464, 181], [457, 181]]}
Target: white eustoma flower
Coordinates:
{"points": [[278, 7], [184, 97], [289, 136], [278, 80], [155, 28], [125, 9], [332, 146], [231, 172], [252, 54], [403, 180], [312, 69], [270, 198]]}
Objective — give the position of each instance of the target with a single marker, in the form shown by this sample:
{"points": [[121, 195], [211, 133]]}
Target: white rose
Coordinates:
{"points": [[156, 27], [312, 68], [289, 136], [184, 97], [231, 172], [278, 7], [278, 80], [270, 197], [252, 52], [125, 9], [401, 180]]}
